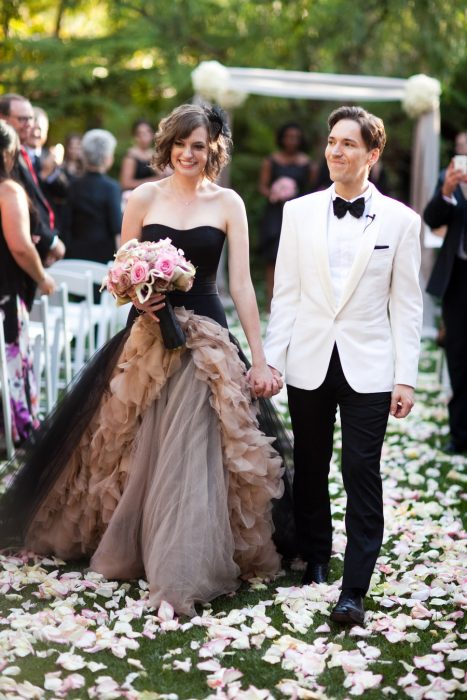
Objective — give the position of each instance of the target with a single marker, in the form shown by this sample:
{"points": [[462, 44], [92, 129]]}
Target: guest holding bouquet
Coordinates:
{"points": [[285, 174], [155, 464]]}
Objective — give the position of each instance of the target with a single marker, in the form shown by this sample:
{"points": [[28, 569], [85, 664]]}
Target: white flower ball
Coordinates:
{"points": [[229, 98], [421, 95], [209, 79]]}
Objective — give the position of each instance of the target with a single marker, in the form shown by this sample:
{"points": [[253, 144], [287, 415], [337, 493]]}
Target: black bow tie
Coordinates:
{"points": [[341, 206]]}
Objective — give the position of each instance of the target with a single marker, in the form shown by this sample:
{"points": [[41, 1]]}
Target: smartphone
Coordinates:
{"points": [[460, 163]]}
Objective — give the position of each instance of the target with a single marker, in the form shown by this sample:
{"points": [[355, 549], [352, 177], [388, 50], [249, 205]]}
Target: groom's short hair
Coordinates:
{"points": [[371, 127]]}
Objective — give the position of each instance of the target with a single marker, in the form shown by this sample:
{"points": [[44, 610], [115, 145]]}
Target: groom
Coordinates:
{"points": [[345, 328]]}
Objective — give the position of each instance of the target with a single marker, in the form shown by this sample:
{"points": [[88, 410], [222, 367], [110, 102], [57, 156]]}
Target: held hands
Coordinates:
{"points": [[452, 178], [402, 401], [153, 304], [264, 381]]}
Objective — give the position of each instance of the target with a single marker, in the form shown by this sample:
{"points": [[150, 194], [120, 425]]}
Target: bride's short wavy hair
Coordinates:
{"points": [[179, 125]]}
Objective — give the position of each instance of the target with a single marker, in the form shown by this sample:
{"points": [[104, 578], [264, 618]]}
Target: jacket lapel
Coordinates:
{"points": [[365, 249], [319, 243]]}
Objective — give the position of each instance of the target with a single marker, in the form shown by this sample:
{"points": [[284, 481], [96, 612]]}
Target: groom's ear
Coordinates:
{"points": [[373, 156]]}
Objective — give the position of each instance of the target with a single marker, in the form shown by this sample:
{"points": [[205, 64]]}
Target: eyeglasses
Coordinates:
{"points": [[23, 119]]}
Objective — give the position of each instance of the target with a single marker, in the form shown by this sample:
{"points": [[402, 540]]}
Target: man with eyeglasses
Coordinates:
{"points": [[17, 111]]}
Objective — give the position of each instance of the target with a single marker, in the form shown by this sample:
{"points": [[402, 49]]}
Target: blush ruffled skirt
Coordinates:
{"points": [[171, 477]]}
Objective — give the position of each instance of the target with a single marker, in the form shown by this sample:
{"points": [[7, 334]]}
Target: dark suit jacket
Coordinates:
{"points": [[93, 217], [40, 224], [438, 213]]}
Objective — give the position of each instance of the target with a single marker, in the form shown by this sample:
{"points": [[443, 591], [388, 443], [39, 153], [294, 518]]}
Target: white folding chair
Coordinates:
{"points": [[104, 314], [60, 350], [5, 390], [79, 315], [41, 329]]}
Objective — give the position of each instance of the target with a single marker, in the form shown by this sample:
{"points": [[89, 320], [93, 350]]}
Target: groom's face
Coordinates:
{"points": [[347, 156]]}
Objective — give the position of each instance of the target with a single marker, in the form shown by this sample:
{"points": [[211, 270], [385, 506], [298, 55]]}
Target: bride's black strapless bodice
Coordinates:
{"points": [[203, 246]]}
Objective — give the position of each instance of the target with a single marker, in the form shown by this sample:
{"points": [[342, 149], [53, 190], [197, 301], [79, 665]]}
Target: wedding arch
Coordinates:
{"points": [[419, 96]]}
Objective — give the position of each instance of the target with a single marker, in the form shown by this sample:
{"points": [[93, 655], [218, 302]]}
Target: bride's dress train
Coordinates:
{"points": [[154, 463]]}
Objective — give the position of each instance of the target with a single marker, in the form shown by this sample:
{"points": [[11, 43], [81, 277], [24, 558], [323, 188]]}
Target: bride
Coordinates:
{"points": [[154, 464]]}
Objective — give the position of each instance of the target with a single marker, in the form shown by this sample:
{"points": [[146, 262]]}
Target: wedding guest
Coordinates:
{"points": [[448, 209], [137, 165], [21, 272], [72, 164], [94, 216], [46, 161], [37, 139], [155, 463], [17, 111], [285, 174], [345, 328]]}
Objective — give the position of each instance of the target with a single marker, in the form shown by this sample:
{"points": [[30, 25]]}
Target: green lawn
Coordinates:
{"points": [[67, 633]]}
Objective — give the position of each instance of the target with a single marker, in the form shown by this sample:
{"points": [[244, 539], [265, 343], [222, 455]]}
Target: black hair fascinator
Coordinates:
{"points": [[218, 123]]}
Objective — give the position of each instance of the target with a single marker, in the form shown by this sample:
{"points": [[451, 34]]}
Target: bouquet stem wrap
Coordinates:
{"points": [[172, 334]]}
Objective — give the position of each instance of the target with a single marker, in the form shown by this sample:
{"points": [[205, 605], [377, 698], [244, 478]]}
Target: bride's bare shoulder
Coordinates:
{"points": [[229, 197], [148, 191]]}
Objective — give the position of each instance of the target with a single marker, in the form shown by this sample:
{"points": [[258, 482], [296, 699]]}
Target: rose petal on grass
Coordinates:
{"points": [[430, 662]]}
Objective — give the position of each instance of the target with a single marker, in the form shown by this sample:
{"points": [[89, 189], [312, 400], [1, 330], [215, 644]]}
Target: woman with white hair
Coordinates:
{"points": [[94, 215]]}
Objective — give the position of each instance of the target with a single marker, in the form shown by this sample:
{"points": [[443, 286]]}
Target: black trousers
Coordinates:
{"points": [[364, 420], [455, 321]]}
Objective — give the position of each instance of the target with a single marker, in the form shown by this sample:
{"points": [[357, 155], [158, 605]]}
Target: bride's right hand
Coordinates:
{"points": [[154, 303]]}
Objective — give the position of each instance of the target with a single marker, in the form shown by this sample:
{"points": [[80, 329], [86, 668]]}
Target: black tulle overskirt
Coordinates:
{"points": [[43, 459]]}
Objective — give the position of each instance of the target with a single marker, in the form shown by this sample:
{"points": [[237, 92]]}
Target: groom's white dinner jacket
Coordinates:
{"points": [[376, 324]]}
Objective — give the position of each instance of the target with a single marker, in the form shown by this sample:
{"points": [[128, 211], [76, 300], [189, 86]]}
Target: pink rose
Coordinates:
{"points": [[164, 266], [123, 283], [139, 272]]}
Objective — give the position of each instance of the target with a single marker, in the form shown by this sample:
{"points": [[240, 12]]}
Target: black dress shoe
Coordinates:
{"points": [[452, 448], [349, 609], [315, 573]]}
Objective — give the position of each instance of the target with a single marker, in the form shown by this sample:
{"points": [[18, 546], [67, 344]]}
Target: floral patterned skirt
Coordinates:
{"points": [[22, 383]]}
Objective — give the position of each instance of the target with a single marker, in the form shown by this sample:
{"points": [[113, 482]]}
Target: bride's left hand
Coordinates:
{"points": [[264, 381]]}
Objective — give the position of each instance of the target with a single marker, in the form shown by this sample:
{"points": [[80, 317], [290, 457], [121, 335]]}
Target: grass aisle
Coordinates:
{"points": [[65, 633]]}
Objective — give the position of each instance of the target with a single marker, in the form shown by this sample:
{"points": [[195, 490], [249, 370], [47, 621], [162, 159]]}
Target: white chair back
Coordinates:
{"points": [[79, 314], [105, 314], [41, 331], [98, 270]]}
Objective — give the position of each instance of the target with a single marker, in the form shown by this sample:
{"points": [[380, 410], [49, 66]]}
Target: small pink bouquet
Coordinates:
{"points": [[282, 189], [144, 268]]}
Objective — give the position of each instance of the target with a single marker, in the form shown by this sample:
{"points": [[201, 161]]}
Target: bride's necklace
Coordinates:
{"points": [[185, 202]]}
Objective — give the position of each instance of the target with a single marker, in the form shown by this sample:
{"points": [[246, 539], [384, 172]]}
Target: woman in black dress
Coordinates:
{"points": [[137, 167], [21, 272], [155, 463], [285, 174]]}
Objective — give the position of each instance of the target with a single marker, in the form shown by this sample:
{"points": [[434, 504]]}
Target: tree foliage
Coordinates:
{"points": [[105, 63]]}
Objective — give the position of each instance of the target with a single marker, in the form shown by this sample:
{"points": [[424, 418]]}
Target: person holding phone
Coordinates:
{"points": [[448, 281]]}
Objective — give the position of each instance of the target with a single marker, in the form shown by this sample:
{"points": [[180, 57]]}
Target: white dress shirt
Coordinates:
{"points": [[344, 236]]}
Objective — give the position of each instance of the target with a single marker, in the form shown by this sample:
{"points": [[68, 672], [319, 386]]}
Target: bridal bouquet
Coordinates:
{"points": [[144, 268]]}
